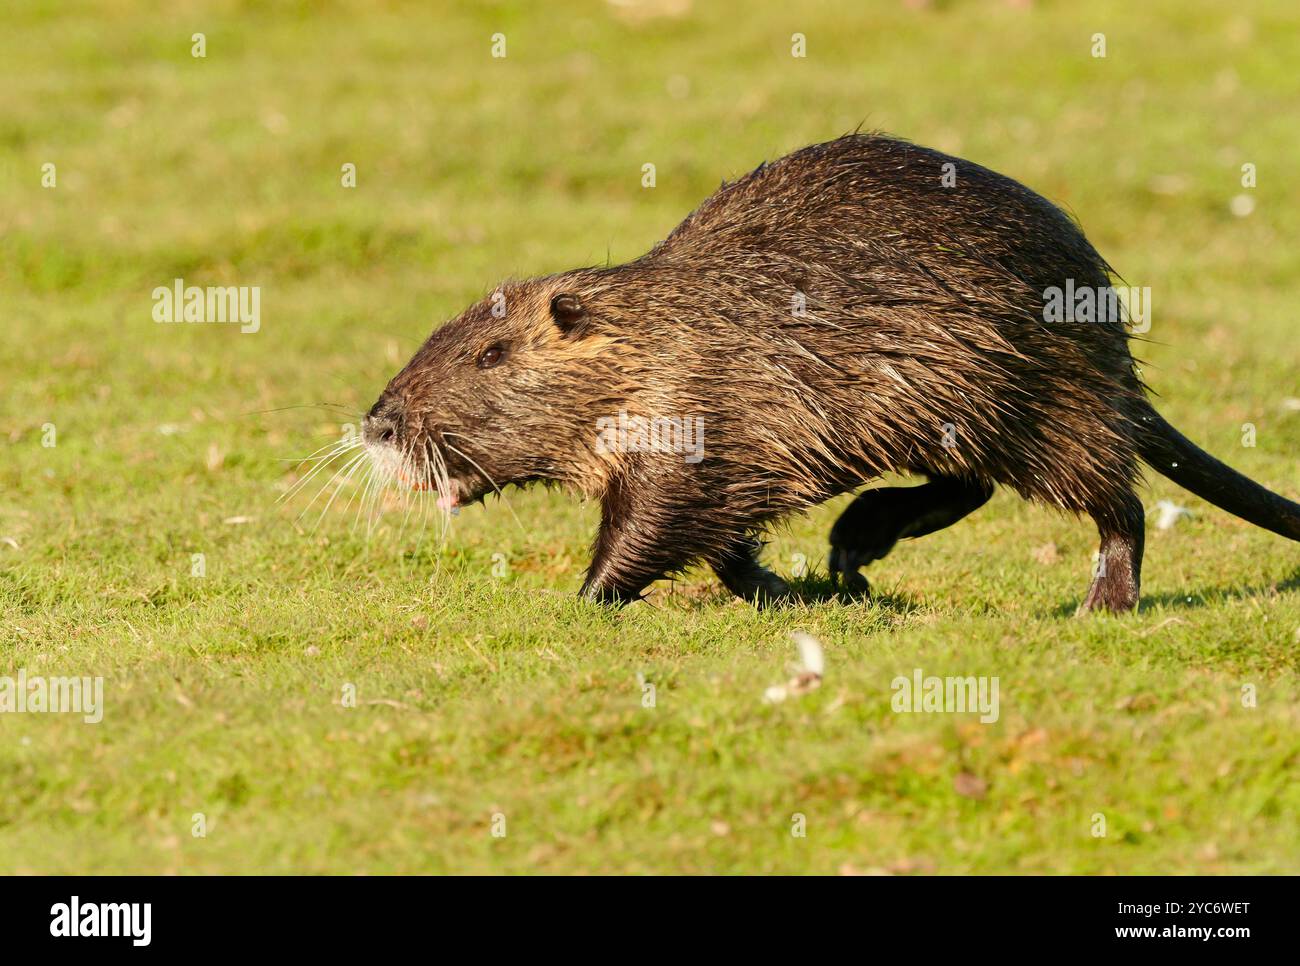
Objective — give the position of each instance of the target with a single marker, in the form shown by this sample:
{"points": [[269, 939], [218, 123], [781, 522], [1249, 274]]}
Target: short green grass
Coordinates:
{"points": [[485, 692]]}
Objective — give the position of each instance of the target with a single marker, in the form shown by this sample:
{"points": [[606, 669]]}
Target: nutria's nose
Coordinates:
{"points": [[383, 423]]}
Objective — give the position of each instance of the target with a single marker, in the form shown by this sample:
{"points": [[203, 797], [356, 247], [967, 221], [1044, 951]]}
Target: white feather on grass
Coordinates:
{"points": [[807, 673], [1168, 513]]}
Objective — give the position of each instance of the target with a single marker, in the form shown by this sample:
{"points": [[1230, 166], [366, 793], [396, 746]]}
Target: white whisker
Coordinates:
{"points": [[338, 449], [346, 472], [350, 471], [486, 476]]}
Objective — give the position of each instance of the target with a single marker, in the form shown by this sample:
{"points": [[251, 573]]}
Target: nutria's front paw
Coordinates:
{"points": [[607, 594]]}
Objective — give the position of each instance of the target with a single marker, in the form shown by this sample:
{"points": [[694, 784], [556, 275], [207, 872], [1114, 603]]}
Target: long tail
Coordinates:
{"points": [[1177, 457]]}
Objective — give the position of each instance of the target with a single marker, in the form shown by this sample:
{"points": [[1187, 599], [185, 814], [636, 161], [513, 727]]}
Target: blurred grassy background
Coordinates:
{"points": [[481, 694]]}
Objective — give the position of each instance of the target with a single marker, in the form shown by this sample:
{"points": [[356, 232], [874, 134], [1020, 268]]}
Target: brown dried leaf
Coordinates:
{"points": [[970, 786]]}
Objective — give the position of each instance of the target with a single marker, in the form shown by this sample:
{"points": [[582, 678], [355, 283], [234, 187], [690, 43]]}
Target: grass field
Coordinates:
{"points": [[487, 697]]}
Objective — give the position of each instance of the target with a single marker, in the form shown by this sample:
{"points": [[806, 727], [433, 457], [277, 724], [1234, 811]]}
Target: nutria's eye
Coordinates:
{"points": [[491, 357]]}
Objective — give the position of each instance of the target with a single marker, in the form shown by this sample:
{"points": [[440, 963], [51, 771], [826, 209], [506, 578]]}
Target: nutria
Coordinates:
{"points": [[858, 307]]}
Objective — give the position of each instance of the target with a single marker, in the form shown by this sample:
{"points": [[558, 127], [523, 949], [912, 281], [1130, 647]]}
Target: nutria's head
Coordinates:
{"points": [[506, 393]]}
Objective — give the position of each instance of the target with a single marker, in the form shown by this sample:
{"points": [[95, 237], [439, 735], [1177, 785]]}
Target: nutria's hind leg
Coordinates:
{"points": [[1118, 576], [748, 579], [868, 529]]}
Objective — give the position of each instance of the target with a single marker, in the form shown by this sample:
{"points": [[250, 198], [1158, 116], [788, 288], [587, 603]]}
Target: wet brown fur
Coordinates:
{"points": [[922, 349]]}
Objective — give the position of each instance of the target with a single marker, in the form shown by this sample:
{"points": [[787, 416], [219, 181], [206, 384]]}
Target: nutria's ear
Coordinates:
{"points": [[568, 314]]}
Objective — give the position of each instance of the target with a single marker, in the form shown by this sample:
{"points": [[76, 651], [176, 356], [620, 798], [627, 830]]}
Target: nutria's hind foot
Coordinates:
{"points": [[748, 579], [1118, 578], [854, 583], [870, 526]]}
